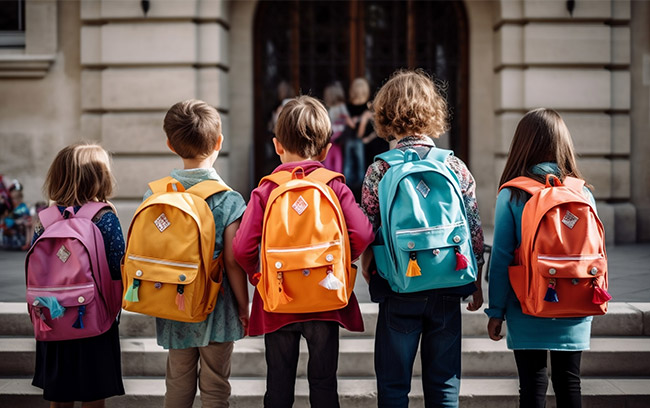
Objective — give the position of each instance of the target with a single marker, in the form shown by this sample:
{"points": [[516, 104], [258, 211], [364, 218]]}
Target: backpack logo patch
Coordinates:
{"points": [[423, 188], [569, 219], [63, 254], [162, 222], [300, 205]]}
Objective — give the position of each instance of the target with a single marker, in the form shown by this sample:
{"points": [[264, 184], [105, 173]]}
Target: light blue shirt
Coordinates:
{"points": [[525, 331]]}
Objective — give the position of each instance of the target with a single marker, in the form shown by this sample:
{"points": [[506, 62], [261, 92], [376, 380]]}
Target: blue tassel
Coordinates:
{"points": [[50, 302], [551, 294], [79, 324]]}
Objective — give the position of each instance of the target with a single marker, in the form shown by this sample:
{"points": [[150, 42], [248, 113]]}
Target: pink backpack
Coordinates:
{"points": [[70, 293]]}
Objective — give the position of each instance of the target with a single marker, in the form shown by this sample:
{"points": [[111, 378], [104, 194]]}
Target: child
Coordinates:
{"points": [[193, 131], [353, 157], [408, 108], [340, 118], [87, 369], [541, 145], [302, 140]]}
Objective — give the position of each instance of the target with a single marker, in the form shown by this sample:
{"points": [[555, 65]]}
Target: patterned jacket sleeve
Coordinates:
{"points": [[468, 188]]}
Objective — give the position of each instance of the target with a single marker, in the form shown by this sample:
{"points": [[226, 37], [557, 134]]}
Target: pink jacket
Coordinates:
{"points": [[246, 250]]}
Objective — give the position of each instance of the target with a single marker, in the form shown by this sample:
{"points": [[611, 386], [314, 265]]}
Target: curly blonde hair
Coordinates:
{"points": [[409, 104]]}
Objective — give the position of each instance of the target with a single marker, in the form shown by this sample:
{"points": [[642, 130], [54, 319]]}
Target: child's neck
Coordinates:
{"points": [[199, 163], [292, 157]]}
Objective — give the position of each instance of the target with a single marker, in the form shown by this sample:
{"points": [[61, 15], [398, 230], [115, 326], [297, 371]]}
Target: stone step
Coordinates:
{"points": [[614, 357], [622, 319], [353, 393]]}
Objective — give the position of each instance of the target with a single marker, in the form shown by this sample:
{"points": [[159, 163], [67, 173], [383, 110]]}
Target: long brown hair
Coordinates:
{"points": [[541, 136], [79, 173]]}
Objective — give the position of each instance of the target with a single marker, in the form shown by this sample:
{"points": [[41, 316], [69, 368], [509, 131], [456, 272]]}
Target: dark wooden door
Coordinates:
{"points": [[308, 44]]}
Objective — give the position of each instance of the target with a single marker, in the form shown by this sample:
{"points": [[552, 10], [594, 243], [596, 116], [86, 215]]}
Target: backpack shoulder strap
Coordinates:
{"points": [[439, 154], [90, 209], [523, 183], [160, 185], [279, 177], [574, 184], [392, 157], [325, 176], [206, 188], [49, 216]]}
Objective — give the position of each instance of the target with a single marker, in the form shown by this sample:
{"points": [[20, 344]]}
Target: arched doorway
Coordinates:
{"points": [[309, 44]]}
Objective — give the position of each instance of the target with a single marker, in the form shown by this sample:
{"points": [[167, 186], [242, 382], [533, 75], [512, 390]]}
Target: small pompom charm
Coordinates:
{"points": [[132, 292], [600, 295], [180, 297], [79, 323], [413, 268], [461, 260], [284, 297], [330, 281], [551, 294]]}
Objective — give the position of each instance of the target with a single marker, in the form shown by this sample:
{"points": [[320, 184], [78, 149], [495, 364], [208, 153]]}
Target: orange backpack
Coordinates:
{"points": [[305, 250], [168, 269], [560, 268]]}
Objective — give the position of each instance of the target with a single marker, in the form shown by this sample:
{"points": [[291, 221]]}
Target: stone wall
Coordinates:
{"points": [[135, 66], [578, 64]]}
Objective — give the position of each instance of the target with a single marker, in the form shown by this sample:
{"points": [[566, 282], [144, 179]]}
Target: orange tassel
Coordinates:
{"points": [[180, 297], [461, 260], [284, 297], [413, 268]]}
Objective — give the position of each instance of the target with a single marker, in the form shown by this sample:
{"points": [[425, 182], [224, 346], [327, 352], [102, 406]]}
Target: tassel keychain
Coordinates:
{"points": [[132, 292], [79, 324], [413, 268], [284, 298], [42, 326], [461, 260], [50, 302], [600, 295], [331, 282], [180, 297], [551, 294]]}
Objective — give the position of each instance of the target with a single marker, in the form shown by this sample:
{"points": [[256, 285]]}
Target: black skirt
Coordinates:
{"points": [[80, 370]]}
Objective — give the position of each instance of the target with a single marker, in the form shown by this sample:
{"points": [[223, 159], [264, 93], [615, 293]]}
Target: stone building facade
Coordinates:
{"points": [[104, 70]]}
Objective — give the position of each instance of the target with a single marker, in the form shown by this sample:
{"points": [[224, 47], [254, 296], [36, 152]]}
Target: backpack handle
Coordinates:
{"points": [[297, 173], [553, 181], [178, 187]]}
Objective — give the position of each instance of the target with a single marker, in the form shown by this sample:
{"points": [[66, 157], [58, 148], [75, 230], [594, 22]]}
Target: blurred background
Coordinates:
{"points": [[108, 70]]}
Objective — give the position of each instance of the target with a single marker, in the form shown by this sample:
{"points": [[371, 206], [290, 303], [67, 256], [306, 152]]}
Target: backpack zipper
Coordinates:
{"points": [[162, 262], [60, 289], [306, 248], [570, 258], [427, 229]]}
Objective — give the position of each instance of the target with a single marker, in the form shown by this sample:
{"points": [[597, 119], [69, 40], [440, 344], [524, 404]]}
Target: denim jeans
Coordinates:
{"points": [[533, 379], [353, 161], [282, 351], [431, 321]]}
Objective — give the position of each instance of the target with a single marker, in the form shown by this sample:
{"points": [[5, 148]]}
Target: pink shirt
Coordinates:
{"points": [[246, 250]]}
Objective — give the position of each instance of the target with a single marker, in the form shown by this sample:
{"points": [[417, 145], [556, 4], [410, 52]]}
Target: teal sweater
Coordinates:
{"points": [[525, 331]]}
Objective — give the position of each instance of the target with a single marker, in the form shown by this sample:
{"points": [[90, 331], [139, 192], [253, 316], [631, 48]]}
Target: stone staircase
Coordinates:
{"points": [[616, 371]]}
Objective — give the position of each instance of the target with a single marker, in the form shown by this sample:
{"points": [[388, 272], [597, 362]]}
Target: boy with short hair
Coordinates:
{"points": [[193, 130], [302, 140]]}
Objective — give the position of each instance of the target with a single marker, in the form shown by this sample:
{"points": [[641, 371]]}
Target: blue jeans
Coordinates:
{"points": [[434, 321]]}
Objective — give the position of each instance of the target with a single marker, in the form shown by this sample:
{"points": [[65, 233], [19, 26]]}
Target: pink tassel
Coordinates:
{"points": [[180, 301], [600, 296], [461, 260], [42, 326]]}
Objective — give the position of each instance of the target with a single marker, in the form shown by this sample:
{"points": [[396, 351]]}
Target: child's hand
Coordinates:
{"points": [[494, 328], [477, 300], [244, 319]]}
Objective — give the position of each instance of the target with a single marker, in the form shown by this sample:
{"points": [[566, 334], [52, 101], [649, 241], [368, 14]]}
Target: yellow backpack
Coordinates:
{"points": [[168, 270], [304, 250]]}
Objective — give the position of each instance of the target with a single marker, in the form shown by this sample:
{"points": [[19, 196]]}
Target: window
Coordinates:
{"points": [[12, 23]]}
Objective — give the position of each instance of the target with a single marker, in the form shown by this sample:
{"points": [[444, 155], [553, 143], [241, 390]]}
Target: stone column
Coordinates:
{"points": [[579, 65], [135, 66]]}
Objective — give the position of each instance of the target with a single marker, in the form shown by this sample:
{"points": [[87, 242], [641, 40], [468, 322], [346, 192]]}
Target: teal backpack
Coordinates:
{"points": [[426, 237]]}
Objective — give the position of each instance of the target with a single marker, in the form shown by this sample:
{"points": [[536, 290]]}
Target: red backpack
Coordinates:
{"points": [[560, 268]]}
